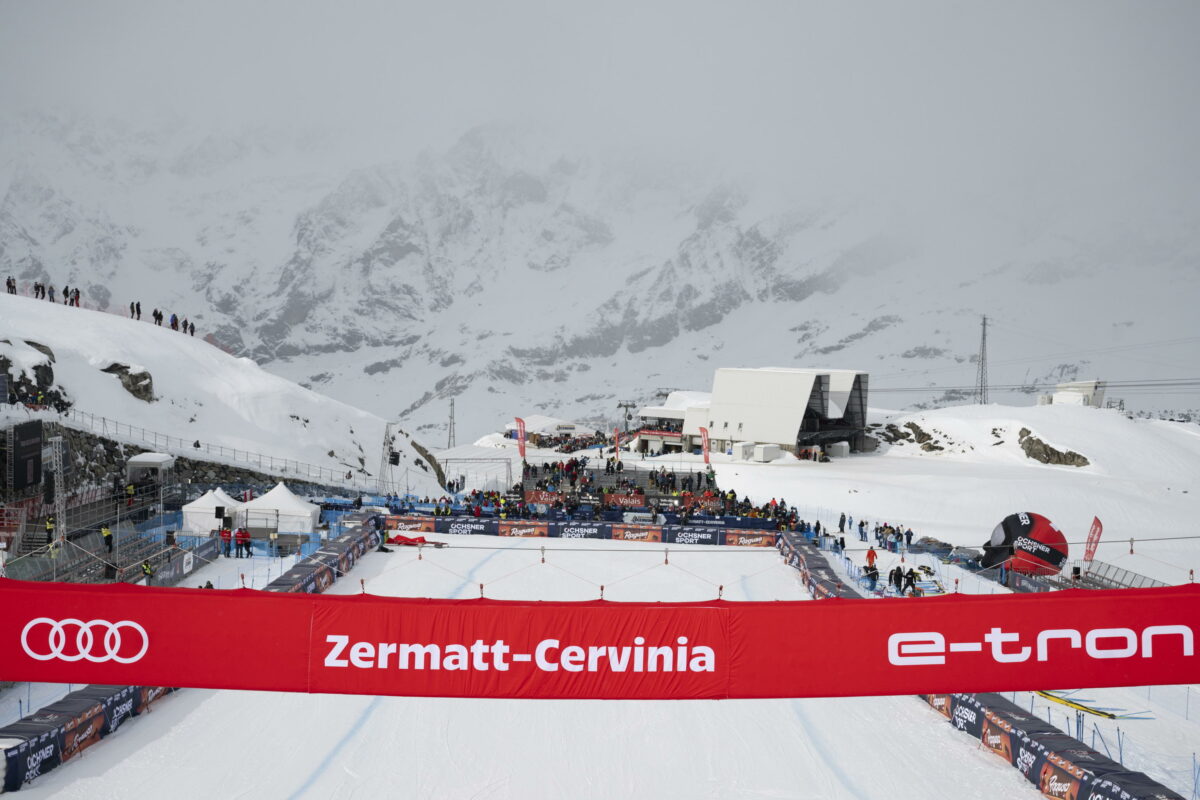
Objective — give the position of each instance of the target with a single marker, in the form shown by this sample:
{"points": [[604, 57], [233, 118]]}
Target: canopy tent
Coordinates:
{"points": [[281, 510], [148, 465], [199, 516]]}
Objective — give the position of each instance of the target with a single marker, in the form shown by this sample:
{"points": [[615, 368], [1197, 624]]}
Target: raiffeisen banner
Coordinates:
{"points": [[362, 644]]}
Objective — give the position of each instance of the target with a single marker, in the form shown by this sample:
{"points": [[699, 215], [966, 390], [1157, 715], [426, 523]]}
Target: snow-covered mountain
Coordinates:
{"points": [[160, 381], [518, 276]]}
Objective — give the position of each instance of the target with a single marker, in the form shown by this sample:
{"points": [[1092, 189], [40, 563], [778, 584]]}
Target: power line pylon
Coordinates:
{"points": [[981, 379]]}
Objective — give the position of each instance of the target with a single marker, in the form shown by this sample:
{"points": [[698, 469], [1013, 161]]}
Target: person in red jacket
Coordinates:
{"points": [[226, 539], [871, 556], [243, 542]]}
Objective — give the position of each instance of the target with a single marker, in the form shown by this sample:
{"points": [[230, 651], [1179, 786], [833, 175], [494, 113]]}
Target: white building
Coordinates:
{"points": [[792, 408], [1075, 393], [661, 429]]}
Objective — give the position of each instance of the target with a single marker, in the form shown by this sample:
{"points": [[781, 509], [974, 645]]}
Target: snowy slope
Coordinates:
{"points": [[200, 393], [224, 744], [503, 265], [1143, 482]]}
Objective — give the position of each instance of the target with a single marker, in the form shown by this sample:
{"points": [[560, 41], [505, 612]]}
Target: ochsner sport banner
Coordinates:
{"points": [[520, 436], [362, 644]]}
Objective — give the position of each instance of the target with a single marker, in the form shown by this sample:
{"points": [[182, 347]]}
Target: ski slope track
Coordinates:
{"points": [[253, 744]]}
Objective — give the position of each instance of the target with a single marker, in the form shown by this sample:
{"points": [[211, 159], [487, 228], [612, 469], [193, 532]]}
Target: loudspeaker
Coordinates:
{"points": [[220, 512], [1074, 572], [394, 458], [48, 487], [226, 522]]}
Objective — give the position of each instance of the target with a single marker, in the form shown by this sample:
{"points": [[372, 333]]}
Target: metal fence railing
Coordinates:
{"points": [[161, 442], [1116, 576]]}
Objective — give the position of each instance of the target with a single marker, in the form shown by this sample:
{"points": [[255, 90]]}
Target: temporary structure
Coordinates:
{"points": [[280, 510], [199, 516]]}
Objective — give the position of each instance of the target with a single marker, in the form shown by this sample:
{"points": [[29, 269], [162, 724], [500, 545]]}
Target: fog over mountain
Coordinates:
{"points": [[536, 207]]}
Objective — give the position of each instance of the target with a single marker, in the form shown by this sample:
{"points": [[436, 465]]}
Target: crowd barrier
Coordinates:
{"points": [[667, 534], [333, 560], [57, 733], [62, 730], [203, 551], [1058, 764]]}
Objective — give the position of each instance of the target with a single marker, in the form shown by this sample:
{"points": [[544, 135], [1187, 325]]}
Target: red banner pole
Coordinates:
{"points": [[1093, 539]]}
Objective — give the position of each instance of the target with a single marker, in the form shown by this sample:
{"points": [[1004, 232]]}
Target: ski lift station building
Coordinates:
{"points": [[795, 409]]}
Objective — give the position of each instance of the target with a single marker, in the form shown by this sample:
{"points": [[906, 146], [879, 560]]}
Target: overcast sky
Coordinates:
{"points": [[1069, 98]]}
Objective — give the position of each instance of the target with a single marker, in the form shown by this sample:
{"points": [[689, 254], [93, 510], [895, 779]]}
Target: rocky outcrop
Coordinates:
{"points": [[139, 383], [95, 461], [38, 387], [428, 456], [1038, 450]]}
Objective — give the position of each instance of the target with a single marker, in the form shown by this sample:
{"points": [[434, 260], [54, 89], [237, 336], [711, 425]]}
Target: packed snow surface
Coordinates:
{"points": [[207, 744]]}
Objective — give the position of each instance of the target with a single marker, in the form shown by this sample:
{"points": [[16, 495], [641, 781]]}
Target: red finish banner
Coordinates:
{"points": [[362, 644], [704, 443], [520, 436]]}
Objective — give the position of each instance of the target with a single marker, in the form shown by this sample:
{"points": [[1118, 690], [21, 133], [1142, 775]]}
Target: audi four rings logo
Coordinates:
{"points": [[53, 643]]}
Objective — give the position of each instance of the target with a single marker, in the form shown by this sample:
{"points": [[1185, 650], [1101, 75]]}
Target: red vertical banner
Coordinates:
{"points": [[704, 441], [1093, 539], [521, 437], [617, 441]]}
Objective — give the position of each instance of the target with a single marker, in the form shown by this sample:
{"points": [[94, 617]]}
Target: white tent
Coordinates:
{"points": [[281, 510], [199, 516]]}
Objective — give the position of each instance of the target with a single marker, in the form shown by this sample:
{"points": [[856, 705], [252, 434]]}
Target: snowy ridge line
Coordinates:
{"points": [[281, 467], [1058, 764], [62, 730]]}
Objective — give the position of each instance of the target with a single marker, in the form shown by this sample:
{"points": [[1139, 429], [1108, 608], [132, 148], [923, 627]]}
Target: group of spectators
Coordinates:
{"points": [[70, 297], [158, 317], [42, 291], [667, 481], [557, 475], [240, 537]]}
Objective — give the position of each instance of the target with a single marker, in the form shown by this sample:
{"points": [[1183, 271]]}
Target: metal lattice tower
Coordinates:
{"points": [[385, 461], [450, 432], [60, 489], [10, 457], [981, 379]]}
